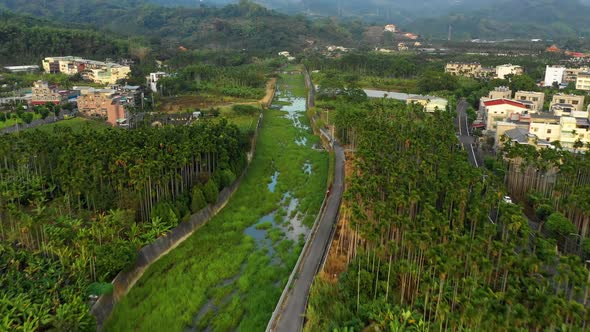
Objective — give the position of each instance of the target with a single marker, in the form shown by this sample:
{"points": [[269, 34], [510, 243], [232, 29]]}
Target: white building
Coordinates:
{"points": [[509, 69], [554, 74], [501, 110], [391, 28], [152, 80]]}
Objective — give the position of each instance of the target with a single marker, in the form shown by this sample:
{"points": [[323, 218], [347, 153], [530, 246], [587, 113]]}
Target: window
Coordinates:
{"points": [[548, 131], [535, 99], [536, 130], [548, 139], [574, 102], [562, 101]]}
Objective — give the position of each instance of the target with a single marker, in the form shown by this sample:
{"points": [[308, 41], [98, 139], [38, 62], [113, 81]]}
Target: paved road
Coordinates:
{"points": [[464, 135], [291, 317]]}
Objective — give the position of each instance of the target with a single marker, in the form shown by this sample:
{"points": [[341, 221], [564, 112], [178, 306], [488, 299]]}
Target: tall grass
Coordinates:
{"points": [[219, 262]]}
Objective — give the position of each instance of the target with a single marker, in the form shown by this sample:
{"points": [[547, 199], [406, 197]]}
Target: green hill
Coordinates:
{"points": [[244, 26]]}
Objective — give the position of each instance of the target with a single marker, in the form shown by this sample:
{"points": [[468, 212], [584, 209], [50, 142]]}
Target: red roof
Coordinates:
{"points": [[497, 102]]}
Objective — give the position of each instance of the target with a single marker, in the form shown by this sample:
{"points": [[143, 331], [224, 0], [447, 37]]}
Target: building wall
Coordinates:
{"points": [[546, 130], [42, 93], [554, 74], [496, 113], [500, 94], [538, 98], [504, 70], [464, 69], [583, 82], [574, 100]]}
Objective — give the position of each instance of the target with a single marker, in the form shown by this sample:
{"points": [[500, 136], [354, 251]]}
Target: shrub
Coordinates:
{"points": [[557, 224], [166, 213], [210, 192], [544, 211], [112, 258], [198, 200], [245, 109]]}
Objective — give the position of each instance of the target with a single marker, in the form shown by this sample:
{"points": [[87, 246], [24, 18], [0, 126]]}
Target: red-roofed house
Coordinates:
{"points": [[501, 110]]}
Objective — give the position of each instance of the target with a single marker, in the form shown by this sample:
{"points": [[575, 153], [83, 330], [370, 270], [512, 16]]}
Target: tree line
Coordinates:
{"points": [[429, 243], [75, 207]]}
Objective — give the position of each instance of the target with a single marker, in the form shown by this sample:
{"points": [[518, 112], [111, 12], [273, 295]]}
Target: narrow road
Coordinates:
{"points": [[464, 136], [291, 317]]}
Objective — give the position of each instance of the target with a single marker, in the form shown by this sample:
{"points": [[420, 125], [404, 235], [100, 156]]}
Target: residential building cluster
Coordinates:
{"points": [[96, 71], [522, 120], [111, 103], [563, 76], [476, 70]]}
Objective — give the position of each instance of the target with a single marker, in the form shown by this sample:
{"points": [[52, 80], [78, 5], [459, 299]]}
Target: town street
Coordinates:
{"points": [[464, 135]]}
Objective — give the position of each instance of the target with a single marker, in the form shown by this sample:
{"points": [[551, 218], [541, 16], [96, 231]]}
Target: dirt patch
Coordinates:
{"points": [[186, 103]]}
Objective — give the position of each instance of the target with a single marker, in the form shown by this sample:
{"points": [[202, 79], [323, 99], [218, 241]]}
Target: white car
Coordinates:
{"points": [[507, 199]]}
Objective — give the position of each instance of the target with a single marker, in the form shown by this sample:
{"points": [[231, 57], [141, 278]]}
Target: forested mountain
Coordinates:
{"points": [[544, 19], [237, 26], [25, 40], [469, 19]]}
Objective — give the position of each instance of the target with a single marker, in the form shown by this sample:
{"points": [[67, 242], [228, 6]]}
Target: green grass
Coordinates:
{"points": [[11, 122], [174, 288]]}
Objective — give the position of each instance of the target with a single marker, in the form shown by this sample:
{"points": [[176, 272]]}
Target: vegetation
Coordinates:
{"points": [[25, 40], [421, 251], [233, 277], [76, 204]]}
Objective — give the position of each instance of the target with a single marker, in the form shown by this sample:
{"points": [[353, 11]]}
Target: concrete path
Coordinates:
{"points": [[291, 317]]}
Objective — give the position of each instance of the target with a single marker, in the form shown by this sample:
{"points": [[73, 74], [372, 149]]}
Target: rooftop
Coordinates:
{"points": [[496, 102]]}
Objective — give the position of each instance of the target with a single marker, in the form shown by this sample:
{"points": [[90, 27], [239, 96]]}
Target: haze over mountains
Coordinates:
{"points": [[491, 19]]}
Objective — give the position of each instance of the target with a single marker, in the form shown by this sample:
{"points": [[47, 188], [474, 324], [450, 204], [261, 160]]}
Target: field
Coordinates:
{"points": [[230, 273], [76, 124], [12, 122]]}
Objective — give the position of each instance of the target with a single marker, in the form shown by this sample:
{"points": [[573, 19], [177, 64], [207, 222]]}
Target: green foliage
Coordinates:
{"points": [[211, 192], [558, 225], [432, 81], [246, 109], [543, 211], [100, 288], [165, 212], [586, 248], [220, 263], [114, 257], [30, 39], [198, 201]]}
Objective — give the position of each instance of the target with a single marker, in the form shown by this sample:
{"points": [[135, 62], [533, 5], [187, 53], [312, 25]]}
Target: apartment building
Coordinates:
{"points": [[554, 74], [571, 74], [467, 69], [97, 71], [501, 110], [546, 127], [103, 103], [501, 92], [43, 93], [583, 81], [565, 103], [509, 69], [532, 99], [574, 129]]}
